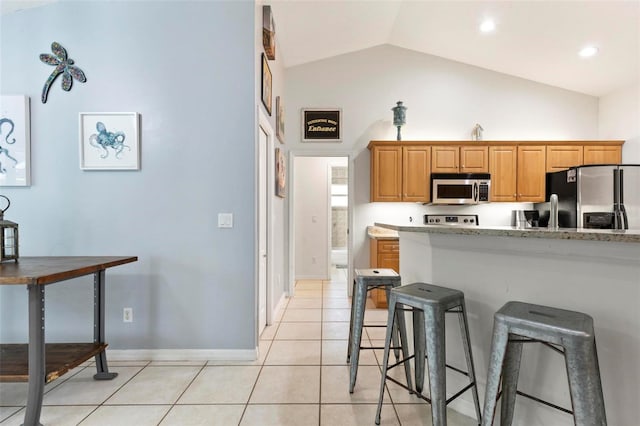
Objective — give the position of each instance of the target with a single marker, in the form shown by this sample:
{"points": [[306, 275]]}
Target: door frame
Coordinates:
{"points": [[293, 154], [264, 125]]}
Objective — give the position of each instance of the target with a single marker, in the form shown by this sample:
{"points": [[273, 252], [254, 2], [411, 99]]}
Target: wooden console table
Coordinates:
{"points": [[36, 362]]}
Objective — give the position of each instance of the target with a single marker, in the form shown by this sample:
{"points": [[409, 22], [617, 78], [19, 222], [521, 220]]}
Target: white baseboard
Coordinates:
{"points": [[280, 305], [182, 354], [312, 277]]}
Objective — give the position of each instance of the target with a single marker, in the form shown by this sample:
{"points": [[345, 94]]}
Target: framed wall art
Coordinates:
{"points": [[268, 33], [281, 174], [15, 143], [109, 141], [321, 125], [266, 84], [280, 119]]}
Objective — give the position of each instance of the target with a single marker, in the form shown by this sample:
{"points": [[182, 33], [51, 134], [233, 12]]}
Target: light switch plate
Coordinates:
{"points": [[225, 220]]}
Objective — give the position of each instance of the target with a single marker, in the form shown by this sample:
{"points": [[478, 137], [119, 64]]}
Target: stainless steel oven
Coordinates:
{"points": [[460, 188]]}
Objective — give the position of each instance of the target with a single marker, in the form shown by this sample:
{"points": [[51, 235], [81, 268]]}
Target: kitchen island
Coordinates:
{"points": [[592, 271]]}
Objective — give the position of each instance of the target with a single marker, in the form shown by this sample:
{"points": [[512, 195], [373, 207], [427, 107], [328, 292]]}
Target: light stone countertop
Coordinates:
{"points": [[611, 235], [378, 233]]}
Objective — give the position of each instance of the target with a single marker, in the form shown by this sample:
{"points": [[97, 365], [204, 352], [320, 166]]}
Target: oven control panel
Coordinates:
{"points": [[455, 219]]}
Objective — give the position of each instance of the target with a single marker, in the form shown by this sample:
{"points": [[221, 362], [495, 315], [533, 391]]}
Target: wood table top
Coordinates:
{"points": [[51, 269]]}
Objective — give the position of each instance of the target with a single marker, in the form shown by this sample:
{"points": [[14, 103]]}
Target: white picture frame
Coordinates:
{"points": [[15, 141], [109, 141]]}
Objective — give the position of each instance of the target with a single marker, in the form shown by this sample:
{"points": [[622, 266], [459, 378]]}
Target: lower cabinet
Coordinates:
{"points": [[383, 254]]}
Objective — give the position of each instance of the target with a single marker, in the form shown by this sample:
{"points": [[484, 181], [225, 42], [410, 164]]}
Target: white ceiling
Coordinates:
{"points": [[536, 40]]}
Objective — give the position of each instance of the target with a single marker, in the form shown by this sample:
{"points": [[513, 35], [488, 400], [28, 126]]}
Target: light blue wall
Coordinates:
{"points": [[188, 68]]}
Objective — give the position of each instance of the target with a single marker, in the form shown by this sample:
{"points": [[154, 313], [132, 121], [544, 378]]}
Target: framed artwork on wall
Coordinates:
{"points": [[109, 141], [15, 141], [268, 33], [280, 119], [281, 174], [266, 84], [321, 125]]}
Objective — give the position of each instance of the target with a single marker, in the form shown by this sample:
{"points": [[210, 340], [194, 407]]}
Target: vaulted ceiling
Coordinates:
{"points": [[536, 40]]}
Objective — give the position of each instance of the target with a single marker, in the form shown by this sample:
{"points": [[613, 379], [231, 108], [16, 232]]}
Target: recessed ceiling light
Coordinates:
{"points": [[487, 26], [587, 52]]}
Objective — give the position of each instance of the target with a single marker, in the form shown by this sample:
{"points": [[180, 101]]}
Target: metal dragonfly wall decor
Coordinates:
{"points": [[64, 65]]}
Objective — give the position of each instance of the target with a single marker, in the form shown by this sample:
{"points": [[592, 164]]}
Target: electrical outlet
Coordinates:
{"points": [[127, 315]]}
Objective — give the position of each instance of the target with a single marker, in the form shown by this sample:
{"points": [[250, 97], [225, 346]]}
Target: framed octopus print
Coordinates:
{"points": [[14, 141], [109, 141]]}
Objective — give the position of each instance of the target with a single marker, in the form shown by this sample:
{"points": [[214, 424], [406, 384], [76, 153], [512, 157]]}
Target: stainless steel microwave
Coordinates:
{"points": [[460, 188]]}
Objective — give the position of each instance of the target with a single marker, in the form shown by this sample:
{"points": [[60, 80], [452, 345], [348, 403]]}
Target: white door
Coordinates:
{"points": [[263, 220]]}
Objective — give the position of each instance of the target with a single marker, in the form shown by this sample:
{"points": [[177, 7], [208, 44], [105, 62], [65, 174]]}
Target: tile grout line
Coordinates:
{"points": [[255, 383]]}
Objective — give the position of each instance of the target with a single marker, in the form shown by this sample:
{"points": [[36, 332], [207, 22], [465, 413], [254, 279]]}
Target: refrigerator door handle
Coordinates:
{"points": [[623, 217]]}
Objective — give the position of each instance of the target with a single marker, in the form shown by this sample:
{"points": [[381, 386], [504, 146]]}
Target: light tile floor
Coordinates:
{"points": [[301, 378]]}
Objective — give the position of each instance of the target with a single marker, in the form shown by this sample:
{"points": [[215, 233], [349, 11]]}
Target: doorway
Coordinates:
{"points": [[265, 193], [320, 216]]}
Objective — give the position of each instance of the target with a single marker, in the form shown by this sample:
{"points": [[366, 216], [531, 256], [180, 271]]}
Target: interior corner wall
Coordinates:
{"points": [[619, 118], [444, 99], [188, 68], [311, 217]]}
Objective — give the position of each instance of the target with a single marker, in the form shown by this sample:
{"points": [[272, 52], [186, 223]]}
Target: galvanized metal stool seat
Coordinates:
{"points": [[517, 323], [430, 303], [366, 280]]}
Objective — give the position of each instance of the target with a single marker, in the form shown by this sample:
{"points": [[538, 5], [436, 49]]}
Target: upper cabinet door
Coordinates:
{"points": [[416, 175], [561, 157], [386, 173], [531, 173], [598, 154], [502, 167], [445, 159], [474, 159]]}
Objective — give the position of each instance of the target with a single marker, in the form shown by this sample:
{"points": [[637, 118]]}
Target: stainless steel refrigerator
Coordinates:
{"points": [[598, 196]]}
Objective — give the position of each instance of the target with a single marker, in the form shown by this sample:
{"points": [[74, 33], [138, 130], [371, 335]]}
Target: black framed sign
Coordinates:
{"points": [[321, 125]]}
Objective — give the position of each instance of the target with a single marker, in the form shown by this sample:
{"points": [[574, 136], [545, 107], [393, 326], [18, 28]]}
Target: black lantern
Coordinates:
{"points": [[399, 116], [8, 236]]}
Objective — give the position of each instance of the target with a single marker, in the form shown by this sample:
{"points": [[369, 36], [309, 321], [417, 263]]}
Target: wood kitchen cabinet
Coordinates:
{"points": [[603, 154], [503, 162], [383, 254], [400, 173], [530, 180], [517, 173], [459, 159], [561, 157]]}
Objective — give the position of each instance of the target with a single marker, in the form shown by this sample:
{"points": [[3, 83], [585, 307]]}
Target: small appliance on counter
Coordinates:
{"points": [[451, 220], [460, 188], [597, 196], [525, 218]]}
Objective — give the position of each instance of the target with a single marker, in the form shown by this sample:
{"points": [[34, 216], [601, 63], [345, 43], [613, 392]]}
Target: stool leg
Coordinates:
{"points": [[356, 331], [353, 313], [510, 372], [584, 383], [385, 359], [394, 335], [435, 338], [498, 348], [419, 347], [401, 329], [466, 343]]}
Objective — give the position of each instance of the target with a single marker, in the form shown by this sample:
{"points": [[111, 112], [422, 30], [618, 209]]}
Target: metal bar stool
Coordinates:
{"points": [[366, 280], [430, 303], [517, 323]]}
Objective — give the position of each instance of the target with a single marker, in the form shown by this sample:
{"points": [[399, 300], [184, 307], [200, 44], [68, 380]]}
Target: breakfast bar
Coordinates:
{"points": [[592, 271], [40, 363]]}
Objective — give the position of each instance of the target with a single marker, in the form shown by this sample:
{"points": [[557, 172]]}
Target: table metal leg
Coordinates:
{"points": [[36, 355], [98, 326]]}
